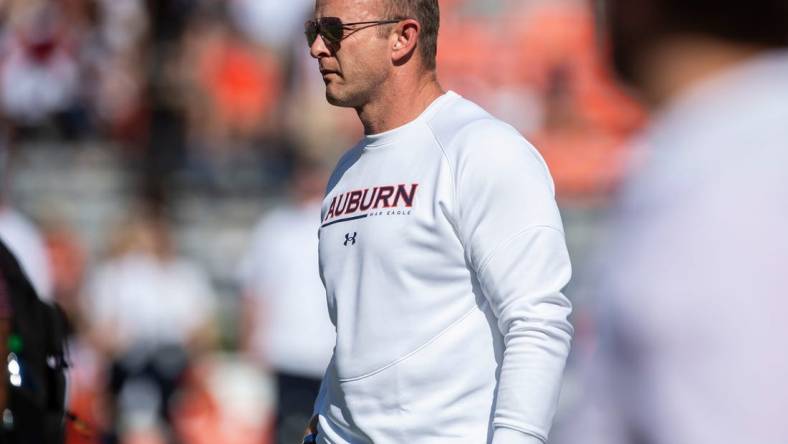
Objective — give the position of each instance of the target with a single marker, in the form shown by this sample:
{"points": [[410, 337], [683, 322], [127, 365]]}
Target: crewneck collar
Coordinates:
{"points": [[374, 141]]}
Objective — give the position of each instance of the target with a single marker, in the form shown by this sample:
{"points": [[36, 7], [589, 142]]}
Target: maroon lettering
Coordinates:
{"points": [[372, 198], [365, 205], [384, 194], [331, 209], [341, 205], [353, 201], [405, 196]]}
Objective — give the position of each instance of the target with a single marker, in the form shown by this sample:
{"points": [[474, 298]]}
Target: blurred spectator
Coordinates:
{"points": [[32, 343], [39, 70], [118, 60], [213, 101], [691, 288], [149, 311], [24, 239], [286, 319], [21, 236], [235, 87]]}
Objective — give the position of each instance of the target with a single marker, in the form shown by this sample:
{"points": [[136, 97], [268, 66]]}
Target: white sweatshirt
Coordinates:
{"points": [[443, 257]]}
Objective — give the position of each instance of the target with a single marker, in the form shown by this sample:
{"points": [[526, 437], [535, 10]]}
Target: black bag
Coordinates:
{"points": [[35, 407]]}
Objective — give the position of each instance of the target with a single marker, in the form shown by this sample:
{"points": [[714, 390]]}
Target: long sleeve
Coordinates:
{"points": [[511, 230]]}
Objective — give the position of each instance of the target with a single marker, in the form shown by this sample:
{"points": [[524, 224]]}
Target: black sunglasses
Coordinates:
{"points": [[332, 30]]}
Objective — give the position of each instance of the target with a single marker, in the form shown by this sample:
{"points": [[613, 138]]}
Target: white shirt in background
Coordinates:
{"points": [[150, 302], [25, 241], [443, 256], [292, 331], [692, 291]]}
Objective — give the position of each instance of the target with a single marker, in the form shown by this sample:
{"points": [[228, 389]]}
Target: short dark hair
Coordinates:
{"points": [[636, 25], [754, 22], [427, 13]]}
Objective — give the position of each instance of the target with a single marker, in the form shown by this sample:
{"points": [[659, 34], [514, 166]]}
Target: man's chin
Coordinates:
{"points": [[332, 100], [337, 100]]}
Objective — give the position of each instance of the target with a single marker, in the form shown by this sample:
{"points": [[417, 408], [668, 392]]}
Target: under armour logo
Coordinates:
{"points": [[350, 239]]}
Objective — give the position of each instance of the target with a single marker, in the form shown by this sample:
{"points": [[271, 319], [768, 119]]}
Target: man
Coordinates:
{"points": [[441, 249], [692, 283], [149, 311]]}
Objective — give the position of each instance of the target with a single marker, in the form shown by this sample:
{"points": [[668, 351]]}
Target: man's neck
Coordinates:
{"points": [[398, 103]]}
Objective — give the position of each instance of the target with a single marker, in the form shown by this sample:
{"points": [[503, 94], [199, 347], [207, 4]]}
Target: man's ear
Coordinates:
{"points": [[403, 41]]}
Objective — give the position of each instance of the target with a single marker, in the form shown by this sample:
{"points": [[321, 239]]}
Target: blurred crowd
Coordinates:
{"points": [[195, 87], [222, 96]]}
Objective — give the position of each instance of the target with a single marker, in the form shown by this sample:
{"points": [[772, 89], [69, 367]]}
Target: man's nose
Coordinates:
{"points": [[319, 48]]}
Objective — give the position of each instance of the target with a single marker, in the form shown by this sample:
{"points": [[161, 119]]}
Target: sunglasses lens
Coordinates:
{"points": [[310, 31], [331, 28]]}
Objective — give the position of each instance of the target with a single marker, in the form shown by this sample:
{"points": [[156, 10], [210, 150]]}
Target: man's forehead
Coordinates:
{"points": [[349, 10]]}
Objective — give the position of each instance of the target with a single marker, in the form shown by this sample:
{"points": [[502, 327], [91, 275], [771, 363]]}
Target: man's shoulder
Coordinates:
{"points": [[464, 128], [453, 119]]}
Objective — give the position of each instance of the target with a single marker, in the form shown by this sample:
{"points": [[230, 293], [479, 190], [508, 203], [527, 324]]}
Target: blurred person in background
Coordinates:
{"points": [[234, 88], [20, 234], [149, 311], [33, 333], [25, 240], [39, 69], [32, 346], [216, 98], [118, 68], [286, 323], [691, 283]]}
